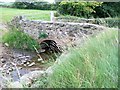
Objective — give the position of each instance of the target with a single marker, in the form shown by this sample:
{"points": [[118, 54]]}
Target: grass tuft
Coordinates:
{"points": [[19, 40]]}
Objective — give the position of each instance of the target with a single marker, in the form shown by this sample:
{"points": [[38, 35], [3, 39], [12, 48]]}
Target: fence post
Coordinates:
{"points": [[52, 19]]}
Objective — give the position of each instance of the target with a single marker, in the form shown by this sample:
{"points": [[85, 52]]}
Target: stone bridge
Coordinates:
{"points": [[64, 33]]}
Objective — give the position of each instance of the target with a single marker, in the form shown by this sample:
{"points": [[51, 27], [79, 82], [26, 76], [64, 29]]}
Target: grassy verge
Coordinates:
{"points": [[8, 13], [95, 65], [109, 22]]}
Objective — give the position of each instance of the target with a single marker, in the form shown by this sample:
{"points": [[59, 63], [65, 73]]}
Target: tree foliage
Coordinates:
{"points": [[42, 5], [82, 9], [90, 9], [108, 9]]}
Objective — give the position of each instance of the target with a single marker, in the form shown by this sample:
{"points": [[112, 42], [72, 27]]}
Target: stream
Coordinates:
{"points": [[15, 63]]}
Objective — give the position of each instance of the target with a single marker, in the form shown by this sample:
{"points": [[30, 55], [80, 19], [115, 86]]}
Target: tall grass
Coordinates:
{"points": [[95, 65], [19, 40]]}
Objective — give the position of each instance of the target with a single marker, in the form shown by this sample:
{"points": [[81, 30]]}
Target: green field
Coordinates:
{"points": [[8, 13]]}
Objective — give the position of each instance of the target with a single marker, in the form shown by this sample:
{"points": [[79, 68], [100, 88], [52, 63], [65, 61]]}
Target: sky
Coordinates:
{"points": [[51, 1]]}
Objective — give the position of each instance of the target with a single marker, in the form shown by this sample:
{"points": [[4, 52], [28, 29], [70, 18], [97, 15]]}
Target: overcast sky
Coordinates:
{"points": [[14, 0]]}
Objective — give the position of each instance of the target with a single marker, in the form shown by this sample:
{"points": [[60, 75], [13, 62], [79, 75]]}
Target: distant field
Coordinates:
{"points": [[8, 13]]}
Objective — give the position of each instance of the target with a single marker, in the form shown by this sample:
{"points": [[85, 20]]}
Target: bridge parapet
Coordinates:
{"points": [[61, 32]]}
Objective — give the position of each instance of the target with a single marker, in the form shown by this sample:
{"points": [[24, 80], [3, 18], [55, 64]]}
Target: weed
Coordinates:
{"points": [[43, 35]]}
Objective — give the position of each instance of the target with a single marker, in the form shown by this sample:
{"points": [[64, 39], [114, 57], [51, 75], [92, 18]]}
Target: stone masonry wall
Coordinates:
{"points": [[56, 30]]}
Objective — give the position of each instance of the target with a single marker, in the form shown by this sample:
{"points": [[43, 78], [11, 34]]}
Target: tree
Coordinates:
{"points": [[56, 1], [30, 1], [34, 4]]}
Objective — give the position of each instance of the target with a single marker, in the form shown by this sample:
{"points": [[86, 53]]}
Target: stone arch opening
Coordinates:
{"points": [[49, 46]]}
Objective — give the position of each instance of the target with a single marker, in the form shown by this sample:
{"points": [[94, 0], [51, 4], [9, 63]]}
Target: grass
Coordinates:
{"points": [[2, 32], [95, 65], [8, 13], [109, 22], [19, 40], [0, 35]]}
